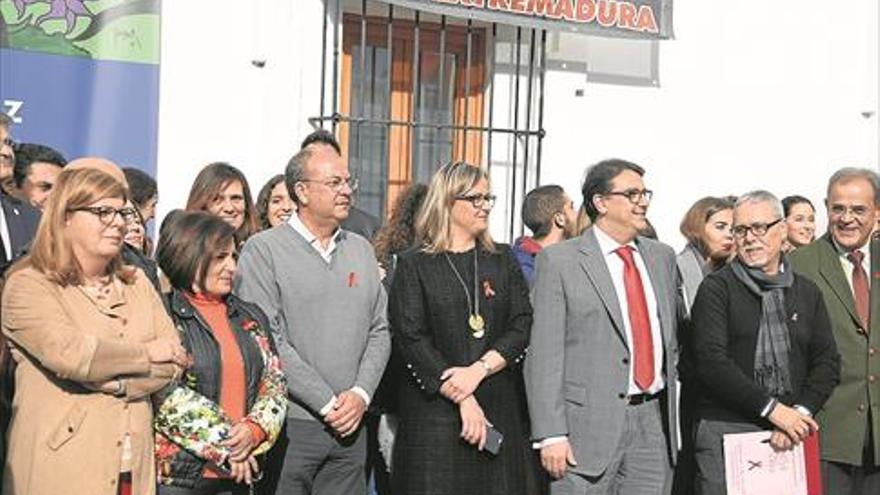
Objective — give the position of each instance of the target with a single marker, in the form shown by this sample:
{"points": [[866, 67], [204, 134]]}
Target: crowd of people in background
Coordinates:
{"points": [[295, 344]]}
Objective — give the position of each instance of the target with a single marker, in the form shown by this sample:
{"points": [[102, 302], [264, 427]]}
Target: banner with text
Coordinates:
{"points": [[647, 19]]}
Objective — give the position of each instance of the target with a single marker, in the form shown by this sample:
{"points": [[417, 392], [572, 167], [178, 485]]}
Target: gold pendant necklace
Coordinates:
{"points": [[475, 319]]}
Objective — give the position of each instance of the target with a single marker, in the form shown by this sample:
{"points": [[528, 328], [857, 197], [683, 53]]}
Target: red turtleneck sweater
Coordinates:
{"points": [[233, 391]]}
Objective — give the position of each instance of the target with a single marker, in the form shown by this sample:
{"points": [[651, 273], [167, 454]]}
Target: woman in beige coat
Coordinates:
{"points": [[92, 341]]}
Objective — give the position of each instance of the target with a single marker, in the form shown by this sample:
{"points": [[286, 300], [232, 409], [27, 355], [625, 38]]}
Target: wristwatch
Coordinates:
{"points": [[486, 365]]}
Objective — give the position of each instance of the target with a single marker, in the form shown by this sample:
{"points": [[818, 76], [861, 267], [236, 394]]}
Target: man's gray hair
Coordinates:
{"points": [[296, 171], [847, 174], [761, 196]]}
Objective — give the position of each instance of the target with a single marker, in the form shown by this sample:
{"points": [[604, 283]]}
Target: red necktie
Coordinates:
{"points": [[640, 324], [861, 292]]}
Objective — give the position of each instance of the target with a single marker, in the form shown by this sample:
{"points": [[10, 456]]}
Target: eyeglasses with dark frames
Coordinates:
{"points": [[633, 195], [479, 200], [106, 214], [760, 229]]}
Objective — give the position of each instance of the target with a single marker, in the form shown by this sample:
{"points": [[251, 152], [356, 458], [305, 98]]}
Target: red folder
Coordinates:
{"points": [[811, 464]]}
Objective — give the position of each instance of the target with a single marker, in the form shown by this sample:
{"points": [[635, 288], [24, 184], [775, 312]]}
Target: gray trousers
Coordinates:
{"points": [[709, 454], [317, 463], [640, 464]]}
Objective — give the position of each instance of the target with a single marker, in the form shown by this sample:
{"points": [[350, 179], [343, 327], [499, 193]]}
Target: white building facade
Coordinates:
{"points": [[775, 97]]}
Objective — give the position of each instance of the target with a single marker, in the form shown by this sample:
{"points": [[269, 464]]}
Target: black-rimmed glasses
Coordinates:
{"points": [[106, 214], [634, 195], [759, 229], [479, 200]]}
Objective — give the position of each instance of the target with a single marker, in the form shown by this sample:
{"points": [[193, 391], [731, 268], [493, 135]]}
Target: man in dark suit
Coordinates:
{"points": [[19, 221], [840, 263], [601, 372]]}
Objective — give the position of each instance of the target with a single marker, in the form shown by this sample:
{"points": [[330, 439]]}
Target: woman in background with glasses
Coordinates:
{"points": [[460, 318], [95, 342]]}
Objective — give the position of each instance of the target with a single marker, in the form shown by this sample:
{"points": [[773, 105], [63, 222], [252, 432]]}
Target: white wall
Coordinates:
{"points": [[217, 106], [767, 97], [746, 101]]}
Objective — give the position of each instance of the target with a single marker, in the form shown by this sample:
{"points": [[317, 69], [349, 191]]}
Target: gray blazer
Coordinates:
{"points": [[690, 269], [577, 371]]}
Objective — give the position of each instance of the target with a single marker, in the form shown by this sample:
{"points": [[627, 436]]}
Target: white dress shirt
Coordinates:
{"points": [[848, 266], [615, 268], [4, 234], [312, 239]]}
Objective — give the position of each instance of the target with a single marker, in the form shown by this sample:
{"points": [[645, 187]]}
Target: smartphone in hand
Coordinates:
{"points": [[494, 438]]}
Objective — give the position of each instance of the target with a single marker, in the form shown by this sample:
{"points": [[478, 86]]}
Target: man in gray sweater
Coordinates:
{"points": [[319, 286]]}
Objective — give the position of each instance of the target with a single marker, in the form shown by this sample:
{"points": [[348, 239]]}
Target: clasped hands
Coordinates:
{"points": [[241, 442], [792, 427], [346, 414], [460, 382]]}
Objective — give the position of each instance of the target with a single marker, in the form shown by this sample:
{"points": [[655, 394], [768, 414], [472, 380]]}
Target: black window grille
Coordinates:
{"points": [[434, 123]]}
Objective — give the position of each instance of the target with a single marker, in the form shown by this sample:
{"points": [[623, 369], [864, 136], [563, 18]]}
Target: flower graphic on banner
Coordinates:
{"points": [[58, 9], [125, 30]]}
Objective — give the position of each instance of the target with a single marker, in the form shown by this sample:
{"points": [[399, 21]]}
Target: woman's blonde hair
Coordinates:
{"points": [[434, 222], [51, 252]]}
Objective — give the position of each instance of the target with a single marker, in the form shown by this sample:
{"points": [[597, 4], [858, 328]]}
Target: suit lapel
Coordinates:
{"points": [[832, 272], [659, 284], [593, 263]]}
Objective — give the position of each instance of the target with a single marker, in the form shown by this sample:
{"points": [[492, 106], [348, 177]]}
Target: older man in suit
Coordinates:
{"points": [[840, 263], [601, 372]]}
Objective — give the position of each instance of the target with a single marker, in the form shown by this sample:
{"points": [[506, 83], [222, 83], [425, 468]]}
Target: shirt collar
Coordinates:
{"points": [[609, 245], [297, 224], [842, 253]]}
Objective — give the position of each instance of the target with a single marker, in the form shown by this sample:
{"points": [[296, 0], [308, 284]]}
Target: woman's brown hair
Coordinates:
{"points": [[263, 198], [694, 222], [187, 245], [210, 182], [399, 233], [51, 252]]}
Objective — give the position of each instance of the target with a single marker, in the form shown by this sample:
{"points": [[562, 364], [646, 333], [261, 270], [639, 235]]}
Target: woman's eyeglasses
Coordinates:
{"points": [[106, 214], [479, 200]]}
